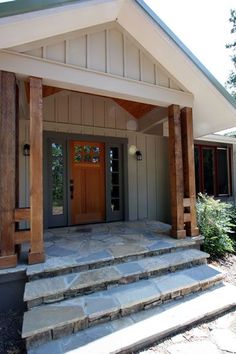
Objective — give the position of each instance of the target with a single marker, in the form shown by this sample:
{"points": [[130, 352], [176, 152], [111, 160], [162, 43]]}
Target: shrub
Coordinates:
{"points": [[215, 224]]}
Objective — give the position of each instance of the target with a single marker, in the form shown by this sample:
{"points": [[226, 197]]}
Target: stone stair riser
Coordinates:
{"points": [[118, 260], [77, 325], [106, 285]]}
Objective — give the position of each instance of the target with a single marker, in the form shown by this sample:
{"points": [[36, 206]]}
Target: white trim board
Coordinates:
{"points": [[74, 78]]}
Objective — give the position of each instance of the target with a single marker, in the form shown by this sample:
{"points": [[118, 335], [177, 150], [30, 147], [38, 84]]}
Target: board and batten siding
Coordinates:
{"points": [[148, 180], [109, 50]]}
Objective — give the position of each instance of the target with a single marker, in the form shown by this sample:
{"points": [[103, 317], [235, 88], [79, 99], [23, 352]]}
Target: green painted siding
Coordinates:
{"points": [[18, 7]]}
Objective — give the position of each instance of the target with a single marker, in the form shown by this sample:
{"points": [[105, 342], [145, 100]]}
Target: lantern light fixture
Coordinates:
{"points": [[139, 155], [26, 150]]}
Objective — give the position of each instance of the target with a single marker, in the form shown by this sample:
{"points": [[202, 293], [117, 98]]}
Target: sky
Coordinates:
{"points": [[204, 27]]}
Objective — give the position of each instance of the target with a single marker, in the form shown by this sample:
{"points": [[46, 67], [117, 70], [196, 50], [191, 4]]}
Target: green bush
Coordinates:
{"points": [[215, 224]]}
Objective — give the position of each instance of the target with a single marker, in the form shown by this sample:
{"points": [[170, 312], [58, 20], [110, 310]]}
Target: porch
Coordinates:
{"points": [[144, 179], [89, 246]]}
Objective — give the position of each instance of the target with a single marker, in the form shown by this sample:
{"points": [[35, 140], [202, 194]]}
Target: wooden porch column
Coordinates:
{"points": [[8, 257], [189, 169], [176, 172], [36, 254]]}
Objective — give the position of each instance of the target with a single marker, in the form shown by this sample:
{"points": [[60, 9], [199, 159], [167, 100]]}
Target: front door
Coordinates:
{"points": [[87, 182], [85, 179]]}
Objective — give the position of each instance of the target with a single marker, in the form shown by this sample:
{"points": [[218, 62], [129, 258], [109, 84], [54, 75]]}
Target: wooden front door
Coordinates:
{"points": [[87, 182]]}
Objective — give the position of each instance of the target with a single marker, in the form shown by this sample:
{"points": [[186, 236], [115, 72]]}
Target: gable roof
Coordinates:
{"points": [[15, 8], [178, 70]]}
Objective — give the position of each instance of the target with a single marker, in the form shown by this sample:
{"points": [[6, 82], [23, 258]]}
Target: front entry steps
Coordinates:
{"points": [[53, 289], [141, 329], [76, 304]]}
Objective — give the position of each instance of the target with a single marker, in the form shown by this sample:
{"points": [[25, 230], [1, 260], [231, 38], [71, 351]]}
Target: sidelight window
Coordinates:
{"points": [[57, 179]]}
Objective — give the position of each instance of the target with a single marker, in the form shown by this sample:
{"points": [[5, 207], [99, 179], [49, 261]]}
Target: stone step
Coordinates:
{"points": [[134, 332], [47, 322], [48, 290], [54, 266]]}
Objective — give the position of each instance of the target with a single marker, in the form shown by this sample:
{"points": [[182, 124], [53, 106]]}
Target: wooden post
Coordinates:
{"points": [[176, 172], [36, 254], [189, 169], [7, 168]]}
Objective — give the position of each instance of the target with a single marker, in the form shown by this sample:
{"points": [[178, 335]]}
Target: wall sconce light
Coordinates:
{"points": [[139, 155], [26, 150], [132, 150]]}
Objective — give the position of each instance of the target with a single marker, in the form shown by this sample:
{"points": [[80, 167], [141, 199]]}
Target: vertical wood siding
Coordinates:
{"points": [[86, 114], [105, 49]]}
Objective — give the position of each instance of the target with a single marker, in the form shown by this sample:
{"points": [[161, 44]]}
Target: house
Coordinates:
{"points": [[103, 80], [100, 104]]}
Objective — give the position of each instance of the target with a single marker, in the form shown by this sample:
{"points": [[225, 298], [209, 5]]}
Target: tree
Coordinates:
{"points": [[231, 82]]}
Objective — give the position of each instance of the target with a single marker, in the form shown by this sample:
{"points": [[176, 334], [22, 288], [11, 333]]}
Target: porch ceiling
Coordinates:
{"points": [[136, 109]]}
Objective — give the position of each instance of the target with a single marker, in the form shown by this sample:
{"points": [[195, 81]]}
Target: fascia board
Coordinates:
{"points": [[33, 26]]}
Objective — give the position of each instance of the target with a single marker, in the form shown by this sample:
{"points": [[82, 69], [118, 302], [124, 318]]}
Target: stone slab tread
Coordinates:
{"points": [[136, 331], [57, 288], [52, 321], [62, 265]]}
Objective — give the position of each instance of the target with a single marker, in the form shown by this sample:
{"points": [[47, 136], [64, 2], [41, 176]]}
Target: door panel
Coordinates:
{"points": [[87, 182]]}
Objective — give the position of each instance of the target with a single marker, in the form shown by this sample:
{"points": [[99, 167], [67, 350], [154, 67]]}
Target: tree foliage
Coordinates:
{"points": [[231, 82]]}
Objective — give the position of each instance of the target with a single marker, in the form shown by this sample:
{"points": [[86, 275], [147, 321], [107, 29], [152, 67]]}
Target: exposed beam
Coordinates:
{"points": [[36, 254], [23, 103], [176, 173], [22, 236], [21, 214], [188, 169], [73, 78], [153, 118], [7, 168], [156, 130]]}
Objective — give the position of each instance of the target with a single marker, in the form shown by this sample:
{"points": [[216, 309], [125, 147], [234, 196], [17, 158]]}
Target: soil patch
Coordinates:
{"points": [[227, 265], [10, 333]]}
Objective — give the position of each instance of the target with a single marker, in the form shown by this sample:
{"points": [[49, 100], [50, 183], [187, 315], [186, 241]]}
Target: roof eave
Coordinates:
{"points": [[187, 52]]}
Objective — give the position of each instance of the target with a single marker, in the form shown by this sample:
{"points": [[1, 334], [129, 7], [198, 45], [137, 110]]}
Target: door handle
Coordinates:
{"points": [[71, 189]]}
